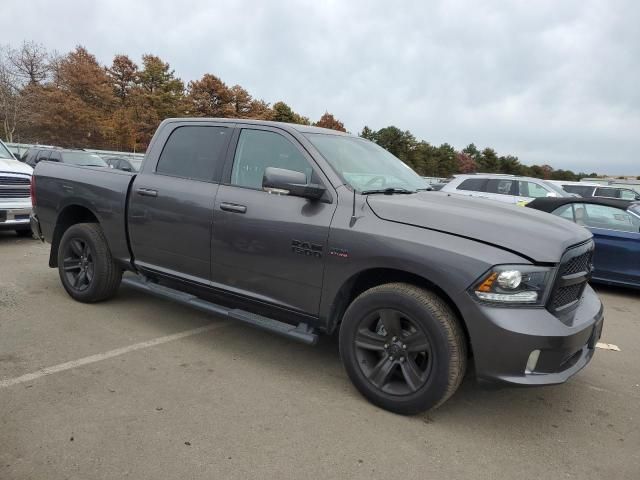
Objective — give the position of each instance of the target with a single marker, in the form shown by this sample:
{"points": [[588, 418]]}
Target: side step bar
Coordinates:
{"points": [[301, 333]]}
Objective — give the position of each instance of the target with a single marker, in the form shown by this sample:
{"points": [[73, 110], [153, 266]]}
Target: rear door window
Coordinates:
{"points": [[607, 192], [473, 185], [194, 152], [501, 186], [43, 155]]}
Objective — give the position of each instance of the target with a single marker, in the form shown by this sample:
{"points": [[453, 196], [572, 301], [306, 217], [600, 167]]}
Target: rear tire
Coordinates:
{"points": [[403, 348], [85, 264]]}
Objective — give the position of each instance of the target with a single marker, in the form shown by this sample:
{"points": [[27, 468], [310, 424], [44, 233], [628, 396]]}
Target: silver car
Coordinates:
{"points": [[503, 188]]}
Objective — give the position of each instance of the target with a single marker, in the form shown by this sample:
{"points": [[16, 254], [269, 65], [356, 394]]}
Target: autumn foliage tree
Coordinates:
{"points": [[72, 100], [329, 121], [210, 97]]}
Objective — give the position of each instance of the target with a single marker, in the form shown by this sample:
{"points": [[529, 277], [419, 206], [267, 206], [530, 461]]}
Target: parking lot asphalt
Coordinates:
{"points": [[138, 387]]}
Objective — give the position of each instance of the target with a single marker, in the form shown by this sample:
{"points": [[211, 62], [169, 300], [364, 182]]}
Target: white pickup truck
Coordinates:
{"points": [[15, 201]]}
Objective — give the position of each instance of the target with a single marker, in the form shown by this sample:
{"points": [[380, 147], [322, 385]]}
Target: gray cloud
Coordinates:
{"points": [[551, 82]]}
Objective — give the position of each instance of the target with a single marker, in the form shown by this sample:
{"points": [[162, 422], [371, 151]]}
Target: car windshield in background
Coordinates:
{"points": [[4, 152], [559, 190], [136, 163], [83, 159], [364, 165]]}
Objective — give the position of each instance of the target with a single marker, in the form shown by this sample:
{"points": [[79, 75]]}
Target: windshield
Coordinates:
{"points": [[364, 165], [83, 159], [4, 152], [136, 163], [558, 190]]}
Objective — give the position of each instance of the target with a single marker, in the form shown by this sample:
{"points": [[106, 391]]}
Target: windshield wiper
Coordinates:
{"points": [[387, 191]]}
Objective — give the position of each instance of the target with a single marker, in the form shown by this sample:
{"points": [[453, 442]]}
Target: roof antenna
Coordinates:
{"points": [[353, 209]]}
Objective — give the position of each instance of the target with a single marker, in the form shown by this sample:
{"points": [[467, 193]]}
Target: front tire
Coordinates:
{"points": [[85, 264], [403, 348]]}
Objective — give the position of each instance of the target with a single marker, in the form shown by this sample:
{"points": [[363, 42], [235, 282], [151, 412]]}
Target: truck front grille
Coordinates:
{"points": [[573, 274], [13, 180], [13, 192]]}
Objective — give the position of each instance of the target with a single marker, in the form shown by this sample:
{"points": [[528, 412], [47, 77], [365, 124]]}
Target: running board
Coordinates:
{"points": [[301, 333]]}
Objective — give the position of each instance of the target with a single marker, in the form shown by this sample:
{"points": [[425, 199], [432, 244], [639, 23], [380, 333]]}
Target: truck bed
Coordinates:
{"points": [[101, 191]]}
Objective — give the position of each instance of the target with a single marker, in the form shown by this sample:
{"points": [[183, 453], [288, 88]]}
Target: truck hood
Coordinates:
{"points": [[538, 236], [8, 165]]}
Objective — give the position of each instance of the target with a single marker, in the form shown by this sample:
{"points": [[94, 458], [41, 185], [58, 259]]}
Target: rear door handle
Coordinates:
{"points": [[147, 192], [232, 207]]}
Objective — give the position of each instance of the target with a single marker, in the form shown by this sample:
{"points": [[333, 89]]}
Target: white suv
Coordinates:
{"points": [[15, 200], [503, 188]]}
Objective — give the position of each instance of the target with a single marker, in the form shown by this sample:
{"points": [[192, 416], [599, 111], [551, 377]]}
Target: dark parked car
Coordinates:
{"points": [[615, 225], [126, 164], [74, 157], [302, 230]]}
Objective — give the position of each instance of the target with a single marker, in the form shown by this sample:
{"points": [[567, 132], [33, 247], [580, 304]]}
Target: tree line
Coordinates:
{"points": [[71, 100]]}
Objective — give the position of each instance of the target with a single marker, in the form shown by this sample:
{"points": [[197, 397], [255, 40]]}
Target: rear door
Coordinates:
{"points": [[502, 190], [171, 206], [268, 247]]}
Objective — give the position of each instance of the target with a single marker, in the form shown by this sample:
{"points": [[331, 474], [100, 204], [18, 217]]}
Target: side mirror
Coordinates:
{"points": [[126, 169], [290, 182]]}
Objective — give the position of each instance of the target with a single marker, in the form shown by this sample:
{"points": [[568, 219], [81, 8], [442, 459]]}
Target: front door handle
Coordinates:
{"points": [[147, 192], [232, 207]]}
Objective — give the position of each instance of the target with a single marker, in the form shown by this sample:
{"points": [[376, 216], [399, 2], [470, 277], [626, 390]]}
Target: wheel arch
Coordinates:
{"points": [[372, 277], [68, 216]]}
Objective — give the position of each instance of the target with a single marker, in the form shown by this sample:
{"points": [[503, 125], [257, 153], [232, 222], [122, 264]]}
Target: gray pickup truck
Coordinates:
{"points": [[301, 231]]}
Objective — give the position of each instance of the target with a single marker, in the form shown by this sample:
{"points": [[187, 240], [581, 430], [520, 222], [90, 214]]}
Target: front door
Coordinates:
{"points": [[270, 247], [171, 206]]}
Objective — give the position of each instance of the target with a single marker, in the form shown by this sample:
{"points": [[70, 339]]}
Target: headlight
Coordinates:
{"points": [[514, 285]]}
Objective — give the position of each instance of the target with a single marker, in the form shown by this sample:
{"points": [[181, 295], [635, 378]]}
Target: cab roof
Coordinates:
{"points": [[267, 123]]}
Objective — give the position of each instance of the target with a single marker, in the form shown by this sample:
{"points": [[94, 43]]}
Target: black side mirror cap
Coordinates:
{"points": [[290, 182]]}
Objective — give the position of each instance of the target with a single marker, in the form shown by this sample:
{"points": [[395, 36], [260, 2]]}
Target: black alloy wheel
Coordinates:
{"points": [[393, 352], [78, 264], [403, 347]]}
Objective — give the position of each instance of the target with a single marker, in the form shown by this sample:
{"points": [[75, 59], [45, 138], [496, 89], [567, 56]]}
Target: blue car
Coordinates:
{"points": [[615, 225]]}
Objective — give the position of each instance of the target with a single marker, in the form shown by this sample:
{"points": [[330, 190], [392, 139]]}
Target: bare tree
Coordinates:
{"points": [[10, 96], [31, 62]]}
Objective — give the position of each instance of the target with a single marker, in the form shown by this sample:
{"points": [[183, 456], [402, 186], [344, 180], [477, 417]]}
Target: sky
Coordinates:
{"points": [[554, 82]]}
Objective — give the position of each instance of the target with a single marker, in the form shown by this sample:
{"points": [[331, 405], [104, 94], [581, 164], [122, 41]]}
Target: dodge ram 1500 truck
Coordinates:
{"points": [[15, 206], [301, 230]]}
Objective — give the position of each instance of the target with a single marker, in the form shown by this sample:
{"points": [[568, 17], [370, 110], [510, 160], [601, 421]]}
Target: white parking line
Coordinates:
{"points": [[110, 354]]}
